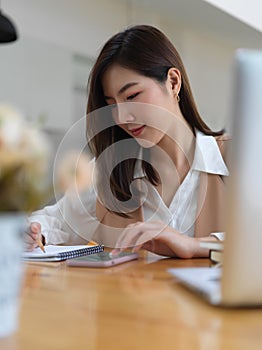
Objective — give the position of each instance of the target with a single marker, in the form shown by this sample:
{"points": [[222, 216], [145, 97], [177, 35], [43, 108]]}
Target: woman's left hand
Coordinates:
{"points": [[158, 238]]}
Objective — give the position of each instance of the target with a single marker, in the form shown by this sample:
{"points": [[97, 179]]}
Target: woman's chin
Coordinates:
{"points": [[145, 143]]}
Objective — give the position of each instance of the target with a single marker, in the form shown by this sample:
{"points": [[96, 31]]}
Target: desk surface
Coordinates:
{"points": [[136, 305]]}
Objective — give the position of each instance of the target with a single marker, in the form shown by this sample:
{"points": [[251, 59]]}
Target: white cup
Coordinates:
{"points": [[11, 271]]}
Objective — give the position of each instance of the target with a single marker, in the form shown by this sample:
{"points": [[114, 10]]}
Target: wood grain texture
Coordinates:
{"points": [[136, 305]]}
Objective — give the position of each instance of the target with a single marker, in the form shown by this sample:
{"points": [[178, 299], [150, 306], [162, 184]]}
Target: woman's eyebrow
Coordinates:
{"points": [[126, 86], [123, 89]]}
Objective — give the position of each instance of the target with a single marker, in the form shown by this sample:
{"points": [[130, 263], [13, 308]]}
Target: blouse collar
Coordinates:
{"points": [[207, 157]]}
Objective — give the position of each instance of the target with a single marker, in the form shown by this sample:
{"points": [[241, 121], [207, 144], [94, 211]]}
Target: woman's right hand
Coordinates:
{"points": [[32, 236]]}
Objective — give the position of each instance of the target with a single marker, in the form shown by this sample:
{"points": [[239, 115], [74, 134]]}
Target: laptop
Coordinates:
{"points": [[239, 281]]}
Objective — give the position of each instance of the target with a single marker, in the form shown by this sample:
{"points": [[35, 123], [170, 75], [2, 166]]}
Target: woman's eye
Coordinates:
{"points": [[131, 97]]}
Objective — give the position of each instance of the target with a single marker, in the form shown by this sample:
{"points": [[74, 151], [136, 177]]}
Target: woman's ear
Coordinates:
{"points": [[174, 80]]}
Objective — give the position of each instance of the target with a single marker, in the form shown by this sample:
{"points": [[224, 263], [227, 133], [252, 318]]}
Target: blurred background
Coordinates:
{"points": [[44, 73]]}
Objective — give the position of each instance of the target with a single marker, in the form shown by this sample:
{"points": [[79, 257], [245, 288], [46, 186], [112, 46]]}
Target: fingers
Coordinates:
{"points": [[29, 243], [138, 234], [127, 239], [32, 236], [35, 227]]}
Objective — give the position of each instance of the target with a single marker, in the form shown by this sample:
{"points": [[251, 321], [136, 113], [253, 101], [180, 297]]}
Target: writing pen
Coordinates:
{"points": [[91, 242], [40, 244]]}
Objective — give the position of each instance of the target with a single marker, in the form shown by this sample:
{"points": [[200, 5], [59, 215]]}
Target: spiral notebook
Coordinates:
{"points": [[59, 253]]}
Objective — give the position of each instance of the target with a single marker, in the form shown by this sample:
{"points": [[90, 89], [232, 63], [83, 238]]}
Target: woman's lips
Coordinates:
{"points": [[137, 131]]}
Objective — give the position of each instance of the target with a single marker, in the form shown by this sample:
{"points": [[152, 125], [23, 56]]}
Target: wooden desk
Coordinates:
{"points": [[136, 305]]}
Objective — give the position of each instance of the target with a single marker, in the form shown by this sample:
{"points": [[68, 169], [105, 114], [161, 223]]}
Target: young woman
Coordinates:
{"points": [[160, 167]]}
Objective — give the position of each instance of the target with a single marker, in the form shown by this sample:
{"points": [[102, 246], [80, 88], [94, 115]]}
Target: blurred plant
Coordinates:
{"points": [[24, 156]]}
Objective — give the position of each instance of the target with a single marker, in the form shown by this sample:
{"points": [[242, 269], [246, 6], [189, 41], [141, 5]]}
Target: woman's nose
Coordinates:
{"points": [[122, 113]]}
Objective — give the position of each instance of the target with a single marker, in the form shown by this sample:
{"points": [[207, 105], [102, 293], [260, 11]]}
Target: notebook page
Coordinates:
{"points": [[52, 250]]}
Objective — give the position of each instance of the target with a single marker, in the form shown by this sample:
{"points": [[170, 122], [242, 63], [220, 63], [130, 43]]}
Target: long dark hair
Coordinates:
{"points": [[146, 50]]}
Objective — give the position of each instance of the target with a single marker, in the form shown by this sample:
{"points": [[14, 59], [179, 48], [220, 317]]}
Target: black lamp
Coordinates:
{"points": [[8, 31]]}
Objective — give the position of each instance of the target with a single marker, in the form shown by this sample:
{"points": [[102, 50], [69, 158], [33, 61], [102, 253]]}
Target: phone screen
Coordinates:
{"points": [[102, 259]]}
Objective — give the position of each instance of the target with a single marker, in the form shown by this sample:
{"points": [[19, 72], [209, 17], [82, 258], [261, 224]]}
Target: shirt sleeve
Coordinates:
{"points": [[72, 220], [219, 235]]}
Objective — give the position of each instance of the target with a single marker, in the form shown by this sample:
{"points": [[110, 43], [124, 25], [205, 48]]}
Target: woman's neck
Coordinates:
{"points": [[178, 145], [172, 159]]}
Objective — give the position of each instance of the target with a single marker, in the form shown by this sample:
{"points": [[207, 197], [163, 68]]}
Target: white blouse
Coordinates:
{"points": [[72, 220]]}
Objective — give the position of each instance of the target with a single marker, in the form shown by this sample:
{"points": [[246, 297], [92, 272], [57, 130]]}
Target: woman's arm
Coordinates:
{"points": [[72, 220], [161, 239]]}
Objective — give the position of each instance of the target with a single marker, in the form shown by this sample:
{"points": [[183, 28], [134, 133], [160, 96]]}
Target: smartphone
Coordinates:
{"points": [[102, 259]]}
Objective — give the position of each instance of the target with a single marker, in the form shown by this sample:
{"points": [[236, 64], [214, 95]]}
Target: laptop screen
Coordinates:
{"points": [[242, 270]]}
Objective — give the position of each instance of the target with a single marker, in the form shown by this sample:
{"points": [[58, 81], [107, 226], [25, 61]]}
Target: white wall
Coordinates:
{"points": [[249, 11], [209, 64], [78, 25], [37, 78]]}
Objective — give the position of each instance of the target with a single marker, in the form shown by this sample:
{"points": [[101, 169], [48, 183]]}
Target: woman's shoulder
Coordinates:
{"points": [[222, 142], [223, 137]]}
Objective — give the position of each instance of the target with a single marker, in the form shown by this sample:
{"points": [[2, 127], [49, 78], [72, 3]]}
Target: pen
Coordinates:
{"points": [[92, 243], [40, 244]]}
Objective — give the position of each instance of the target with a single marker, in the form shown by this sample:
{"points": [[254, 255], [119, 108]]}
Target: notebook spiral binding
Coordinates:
{"points": [[80, 252]]}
